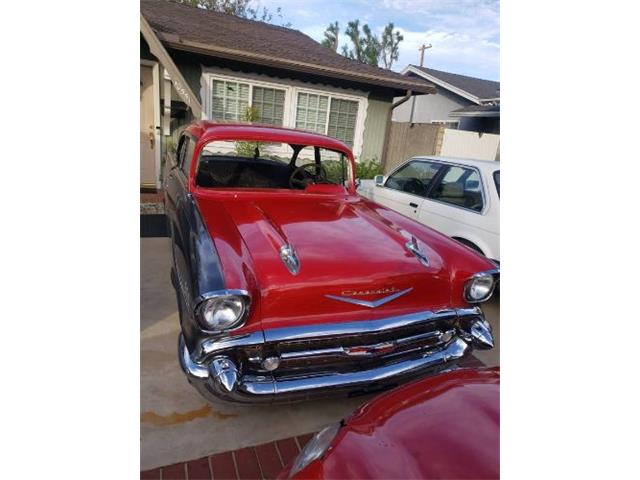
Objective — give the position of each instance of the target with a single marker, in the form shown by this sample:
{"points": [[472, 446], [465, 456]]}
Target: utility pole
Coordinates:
{"points": [[413, 100], [422, 49]]}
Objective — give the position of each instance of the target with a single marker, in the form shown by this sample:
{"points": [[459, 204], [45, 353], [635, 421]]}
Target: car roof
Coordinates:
{"points": [[209, 130], [481, 164]]}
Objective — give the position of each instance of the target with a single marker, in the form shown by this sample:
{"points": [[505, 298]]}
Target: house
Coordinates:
{"points": [[199, 64], [462, 102]]}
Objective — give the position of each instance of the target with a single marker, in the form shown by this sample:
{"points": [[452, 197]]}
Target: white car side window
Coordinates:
{"points": [[413, 178], [461, 187]]}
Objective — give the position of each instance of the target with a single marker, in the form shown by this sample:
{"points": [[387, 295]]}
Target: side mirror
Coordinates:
{"points": [[358, 182], [379, 180]]}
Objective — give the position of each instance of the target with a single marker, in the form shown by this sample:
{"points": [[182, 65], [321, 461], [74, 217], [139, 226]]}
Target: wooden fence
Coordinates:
{"points": [[407, 140]]}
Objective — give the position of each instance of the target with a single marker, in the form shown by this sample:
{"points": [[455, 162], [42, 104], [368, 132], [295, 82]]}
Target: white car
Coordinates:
{"points": [[458, 197]]}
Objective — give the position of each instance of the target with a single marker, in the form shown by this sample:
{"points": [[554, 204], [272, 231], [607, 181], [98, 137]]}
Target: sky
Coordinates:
{"points": [[464, 34]]}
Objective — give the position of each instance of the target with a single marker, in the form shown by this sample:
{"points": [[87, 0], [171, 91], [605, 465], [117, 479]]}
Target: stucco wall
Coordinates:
{"points": [[430, 107]]}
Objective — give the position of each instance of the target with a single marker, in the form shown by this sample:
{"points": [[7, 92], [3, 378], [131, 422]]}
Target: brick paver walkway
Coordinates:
{"points": [[261, 462]]}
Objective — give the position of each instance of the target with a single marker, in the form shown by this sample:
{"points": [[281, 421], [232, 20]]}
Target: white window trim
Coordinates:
{"points": [[290, 101]]}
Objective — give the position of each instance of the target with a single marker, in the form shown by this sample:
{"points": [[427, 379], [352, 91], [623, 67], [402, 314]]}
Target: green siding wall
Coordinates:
{"points": [[375, 126]]}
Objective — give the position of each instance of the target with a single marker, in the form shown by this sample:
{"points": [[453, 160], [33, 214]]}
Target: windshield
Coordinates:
{"points": [[248, 164], [496, 178]]}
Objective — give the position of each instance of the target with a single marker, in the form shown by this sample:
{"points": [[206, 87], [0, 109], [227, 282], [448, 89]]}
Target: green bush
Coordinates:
{"points": [[367, 169], [247, 149]]}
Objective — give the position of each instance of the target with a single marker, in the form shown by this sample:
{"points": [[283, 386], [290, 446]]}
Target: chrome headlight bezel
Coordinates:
{"points": [[206, 304], [484, 281], [315, 448]]}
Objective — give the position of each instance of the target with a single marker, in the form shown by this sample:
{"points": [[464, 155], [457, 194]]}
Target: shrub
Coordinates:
{"points": [[367, 169], [247, 149]]}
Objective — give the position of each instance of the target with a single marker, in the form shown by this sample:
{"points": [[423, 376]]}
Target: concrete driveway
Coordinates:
{"points": [[176, 424]]}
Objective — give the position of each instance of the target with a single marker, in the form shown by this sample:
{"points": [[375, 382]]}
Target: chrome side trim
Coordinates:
{"points": [[372, 304]]}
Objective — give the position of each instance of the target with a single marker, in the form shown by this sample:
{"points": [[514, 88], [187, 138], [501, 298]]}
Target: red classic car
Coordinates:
{"points": [[445, 426], [290, 285]]}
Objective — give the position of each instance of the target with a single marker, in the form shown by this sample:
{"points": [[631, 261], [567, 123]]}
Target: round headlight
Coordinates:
{"points": [[479, 288], [315, 448], [222, 312]]}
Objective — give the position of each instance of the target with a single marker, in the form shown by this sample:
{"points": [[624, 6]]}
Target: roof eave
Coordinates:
{"points": [[177, 43], [458, 91], [475, 114]]}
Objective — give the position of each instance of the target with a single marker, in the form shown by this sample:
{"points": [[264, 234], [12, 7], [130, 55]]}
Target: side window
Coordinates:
{"points": [[496, 178], [185, 163], [460, 187], [414, 177]]}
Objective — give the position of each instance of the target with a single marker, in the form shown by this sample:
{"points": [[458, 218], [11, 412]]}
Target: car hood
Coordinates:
{"points": [[443, 426], [345, 249]]}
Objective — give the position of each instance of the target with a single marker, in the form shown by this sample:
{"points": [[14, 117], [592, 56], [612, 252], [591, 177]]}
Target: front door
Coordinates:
{"points": [[406, 188], [147, 128]]}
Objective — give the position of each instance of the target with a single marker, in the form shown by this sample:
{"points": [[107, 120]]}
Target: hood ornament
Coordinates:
{"points": [[372, 304], [290, 259], [413, 247]]}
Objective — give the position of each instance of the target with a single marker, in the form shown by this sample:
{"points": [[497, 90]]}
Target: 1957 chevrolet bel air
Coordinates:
{"points": [[291, 286]]}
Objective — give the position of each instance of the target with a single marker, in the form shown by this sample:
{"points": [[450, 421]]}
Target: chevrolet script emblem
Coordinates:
{"points": [[371, 304]]}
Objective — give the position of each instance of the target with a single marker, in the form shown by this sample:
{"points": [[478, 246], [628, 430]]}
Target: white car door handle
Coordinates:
{"points": [[414, 205]]}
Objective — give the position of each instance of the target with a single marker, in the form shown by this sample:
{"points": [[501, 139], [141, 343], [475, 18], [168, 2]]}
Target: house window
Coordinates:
{"points": [[229, 100], [311, 113], [323, 111], [342, 120], [269, 102]]}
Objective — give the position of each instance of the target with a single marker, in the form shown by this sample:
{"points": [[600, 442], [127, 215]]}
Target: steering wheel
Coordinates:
{"points": [[415, 186], [307, 174]]}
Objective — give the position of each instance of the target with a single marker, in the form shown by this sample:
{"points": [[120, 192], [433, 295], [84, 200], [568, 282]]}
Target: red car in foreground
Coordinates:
{"points": [[442, 427], [290, 285]]}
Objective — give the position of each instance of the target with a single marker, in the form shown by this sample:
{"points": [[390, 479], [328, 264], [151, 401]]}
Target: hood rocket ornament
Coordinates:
{"points": [[290, 259]]}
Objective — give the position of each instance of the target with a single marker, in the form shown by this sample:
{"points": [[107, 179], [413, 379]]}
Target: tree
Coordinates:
{"points": [[239, 8], [331, 36], [366, 46], [389, 45], [371, 47]]}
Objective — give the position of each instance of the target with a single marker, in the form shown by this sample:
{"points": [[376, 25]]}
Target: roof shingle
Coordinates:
{"points": [[483, 89], [217, 34]]}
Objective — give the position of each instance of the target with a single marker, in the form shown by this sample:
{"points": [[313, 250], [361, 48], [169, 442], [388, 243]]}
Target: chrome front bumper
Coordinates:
{"points": [[335, 359]]}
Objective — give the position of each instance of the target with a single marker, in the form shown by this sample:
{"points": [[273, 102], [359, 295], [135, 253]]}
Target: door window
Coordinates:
{"points": [[413, 178], [461, 187]]}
